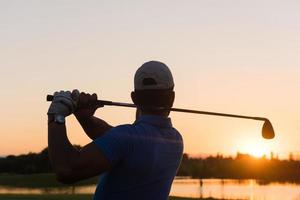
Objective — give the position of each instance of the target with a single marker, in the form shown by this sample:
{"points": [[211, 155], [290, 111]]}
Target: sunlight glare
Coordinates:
{"points": [[255, 147]]}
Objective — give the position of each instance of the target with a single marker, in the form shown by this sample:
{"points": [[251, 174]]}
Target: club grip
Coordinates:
{"points": [[99, 102]]}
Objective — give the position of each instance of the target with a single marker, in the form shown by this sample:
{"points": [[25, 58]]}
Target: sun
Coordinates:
{"points": [[257, 152], [256, 148]]}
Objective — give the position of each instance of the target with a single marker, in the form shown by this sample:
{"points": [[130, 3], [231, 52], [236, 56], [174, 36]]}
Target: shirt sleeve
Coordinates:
{"points": [[114, 144]]}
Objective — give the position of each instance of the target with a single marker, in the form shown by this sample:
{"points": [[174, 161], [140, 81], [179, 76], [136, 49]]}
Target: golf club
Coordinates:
{"points": [[267, 129]]}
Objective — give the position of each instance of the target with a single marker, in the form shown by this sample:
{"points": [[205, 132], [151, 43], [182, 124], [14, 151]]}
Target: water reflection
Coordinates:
{"points": [[216, 188], [235, 189]]}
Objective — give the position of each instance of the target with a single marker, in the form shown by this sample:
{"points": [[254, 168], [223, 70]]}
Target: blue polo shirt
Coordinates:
{"points": [[144, 156]]}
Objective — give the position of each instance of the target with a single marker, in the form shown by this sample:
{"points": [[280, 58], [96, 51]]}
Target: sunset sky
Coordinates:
{"points": [[240, 57]]}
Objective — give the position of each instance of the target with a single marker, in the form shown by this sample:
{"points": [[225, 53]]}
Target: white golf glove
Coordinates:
{"points": [[63, 104]]}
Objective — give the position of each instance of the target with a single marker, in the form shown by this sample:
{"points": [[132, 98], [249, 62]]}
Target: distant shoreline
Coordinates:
{"points": [[243, 166], [48, 180]]}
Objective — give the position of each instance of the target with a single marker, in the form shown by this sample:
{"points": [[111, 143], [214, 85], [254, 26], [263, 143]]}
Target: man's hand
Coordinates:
{"points": [[85, 110], [86, 105], [62, 104]]}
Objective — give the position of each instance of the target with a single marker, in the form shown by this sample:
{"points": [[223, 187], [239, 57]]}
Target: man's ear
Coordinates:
{"points": [[172, 98], [133, 97]]}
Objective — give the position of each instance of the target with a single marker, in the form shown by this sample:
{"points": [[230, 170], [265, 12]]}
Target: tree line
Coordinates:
{"points": [[242, 166]]}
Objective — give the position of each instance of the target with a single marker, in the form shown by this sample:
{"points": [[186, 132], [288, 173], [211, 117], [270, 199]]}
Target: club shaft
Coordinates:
{"points": [[186, 111], [111, 103]]}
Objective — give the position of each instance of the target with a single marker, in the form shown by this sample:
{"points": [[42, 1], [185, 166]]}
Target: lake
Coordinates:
{"points": [[186, 187]]}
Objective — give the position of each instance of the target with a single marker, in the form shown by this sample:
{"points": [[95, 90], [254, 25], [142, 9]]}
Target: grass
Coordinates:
{"points": [[65, 197], [38, 180]]}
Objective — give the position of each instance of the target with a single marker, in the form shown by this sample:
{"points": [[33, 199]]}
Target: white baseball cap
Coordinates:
{"points": [[153, 75]]}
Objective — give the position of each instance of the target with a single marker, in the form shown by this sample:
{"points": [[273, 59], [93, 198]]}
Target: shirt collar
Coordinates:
{"points": [[155, 120]]}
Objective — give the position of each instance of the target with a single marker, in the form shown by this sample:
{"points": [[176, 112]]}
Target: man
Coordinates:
{"points": [[136, 161]]}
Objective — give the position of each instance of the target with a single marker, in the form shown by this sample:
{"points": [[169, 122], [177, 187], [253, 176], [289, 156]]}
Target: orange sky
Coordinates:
{"points": [[226, 56]]}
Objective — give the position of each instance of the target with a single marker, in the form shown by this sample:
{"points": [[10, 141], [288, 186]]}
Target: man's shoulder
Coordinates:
{"points": [[177, 132], [123, 128], [140, 128]]}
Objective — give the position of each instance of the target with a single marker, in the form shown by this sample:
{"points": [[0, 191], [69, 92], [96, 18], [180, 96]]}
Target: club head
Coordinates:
{"points": [[267, 130]]}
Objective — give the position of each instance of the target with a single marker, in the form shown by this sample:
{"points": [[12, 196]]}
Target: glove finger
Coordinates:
{"points": [[62, 103], [75, 95], [63, 95], [55, 93], [58, 95], [68, 103], [68, 93]]}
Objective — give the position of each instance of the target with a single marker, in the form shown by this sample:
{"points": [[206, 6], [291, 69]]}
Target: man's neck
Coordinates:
{"points": [[140, 113]]}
